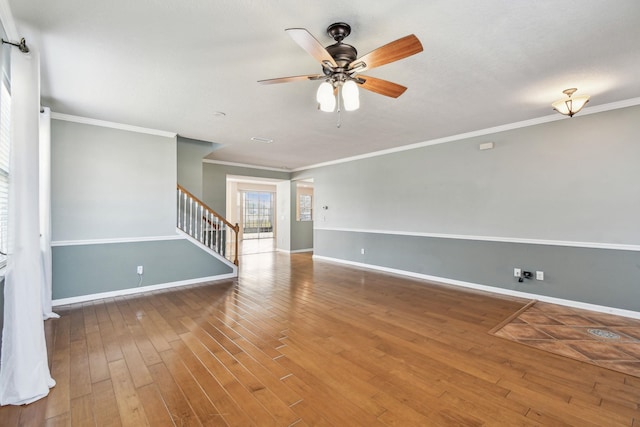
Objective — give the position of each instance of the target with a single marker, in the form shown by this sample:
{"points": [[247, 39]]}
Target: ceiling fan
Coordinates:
{"points": [[341, 66]]}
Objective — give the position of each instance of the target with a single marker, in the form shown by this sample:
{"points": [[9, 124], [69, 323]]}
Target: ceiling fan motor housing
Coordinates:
{"points": [[342, 53]]}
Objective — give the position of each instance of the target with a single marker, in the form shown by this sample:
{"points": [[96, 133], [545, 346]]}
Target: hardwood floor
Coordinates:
{"points": [[298, 342]]}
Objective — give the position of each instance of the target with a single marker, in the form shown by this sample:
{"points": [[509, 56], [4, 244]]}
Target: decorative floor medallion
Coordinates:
{"points": [[604, 334], [601, 339]]}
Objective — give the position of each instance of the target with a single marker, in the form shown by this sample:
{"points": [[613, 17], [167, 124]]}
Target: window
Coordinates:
{"points": [[5, 150], [258, 215], [304, 201], [305, 209]]}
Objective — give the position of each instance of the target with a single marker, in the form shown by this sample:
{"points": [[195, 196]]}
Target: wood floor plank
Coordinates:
{"points": [[135, 362], [206, 349], [156, 410], [227, 352], [10, 415], [179, 409], [129, 406], [109, 337], [98, 366], [102, 315], [204, 409], [81, 411], [63, 420], [104, 404], [90, 318], [233, 414], [59, 400], [33, 411]]}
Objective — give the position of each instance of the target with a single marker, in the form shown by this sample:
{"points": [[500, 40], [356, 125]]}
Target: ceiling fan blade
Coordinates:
{"points": [[311, 45], [290, 79], [394, 51], [383, 87]]}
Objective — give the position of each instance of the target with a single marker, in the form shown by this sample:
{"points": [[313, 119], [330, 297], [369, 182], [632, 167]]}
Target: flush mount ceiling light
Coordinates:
{"points": [[572, 104]]}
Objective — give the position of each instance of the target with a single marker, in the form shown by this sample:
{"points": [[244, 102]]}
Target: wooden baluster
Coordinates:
{"points": [[212, 228], [218, 236], [191, 216], [179, 220], [197, 220], [184, 213], [201, 220], [206, 227], [235, 252]]}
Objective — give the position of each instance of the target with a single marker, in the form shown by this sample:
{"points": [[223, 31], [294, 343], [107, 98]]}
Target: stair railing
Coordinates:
{"points": [[206, 226]]}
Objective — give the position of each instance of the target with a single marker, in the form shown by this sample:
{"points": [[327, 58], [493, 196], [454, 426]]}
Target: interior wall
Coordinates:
{"points": [[111, 183], [301, 231], [215, 182], [573, 183], [190, 155], [283, 201], [96, 268], [114, 209]]}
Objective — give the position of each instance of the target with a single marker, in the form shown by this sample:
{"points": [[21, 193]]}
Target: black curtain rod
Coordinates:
{"points": [[22, 45]]}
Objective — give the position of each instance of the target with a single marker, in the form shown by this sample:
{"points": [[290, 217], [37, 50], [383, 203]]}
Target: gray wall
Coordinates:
{"points": [[112, 184], [301, 231], [572, 180], [190, 155], [285, 218], [214, 191], [76, 270]]}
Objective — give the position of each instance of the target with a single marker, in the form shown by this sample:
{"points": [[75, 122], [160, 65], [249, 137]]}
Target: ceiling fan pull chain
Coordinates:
{"points": [[339, 109]]}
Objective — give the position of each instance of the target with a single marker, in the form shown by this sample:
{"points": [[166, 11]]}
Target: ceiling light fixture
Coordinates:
{"points": [[570, 105], [325, 97], [348, 90]]}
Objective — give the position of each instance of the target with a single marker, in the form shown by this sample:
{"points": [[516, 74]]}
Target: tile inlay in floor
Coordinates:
{"points": [[602, 339]]}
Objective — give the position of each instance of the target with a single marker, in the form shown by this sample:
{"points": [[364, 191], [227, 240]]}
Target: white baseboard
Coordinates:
{"points": [[297, 251], [492, 289], [141, 289]]}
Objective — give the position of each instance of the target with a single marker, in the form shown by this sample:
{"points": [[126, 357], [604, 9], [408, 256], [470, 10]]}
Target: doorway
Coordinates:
{"points": [[257, 215]]}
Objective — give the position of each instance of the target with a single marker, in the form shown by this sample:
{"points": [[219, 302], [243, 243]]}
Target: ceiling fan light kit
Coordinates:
{"points": [[325, 98], [341, 67], [572, 104]]}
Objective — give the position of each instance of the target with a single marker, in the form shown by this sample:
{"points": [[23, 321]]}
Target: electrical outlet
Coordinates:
{"points": [[140, 269], [539, 275], [362, 251], [517, 272]]}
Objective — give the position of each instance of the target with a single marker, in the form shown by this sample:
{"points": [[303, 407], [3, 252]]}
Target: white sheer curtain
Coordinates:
{"points": [[24, 371], [45, 210]]}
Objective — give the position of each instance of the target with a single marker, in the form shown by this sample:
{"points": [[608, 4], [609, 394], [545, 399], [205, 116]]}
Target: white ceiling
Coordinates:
{"points": [[171, 65]]}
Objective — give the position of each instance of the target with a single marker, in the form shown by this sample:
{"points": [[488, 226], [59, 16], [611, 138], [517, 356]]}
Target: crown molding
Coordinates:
{"points": [[245, 165], [112, 125], [482, 132]]}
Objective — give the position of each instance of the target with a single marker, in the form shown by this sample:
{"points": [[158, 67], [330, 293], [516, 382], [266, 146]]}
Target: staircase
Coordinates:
{"points": [[206, 226]]}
